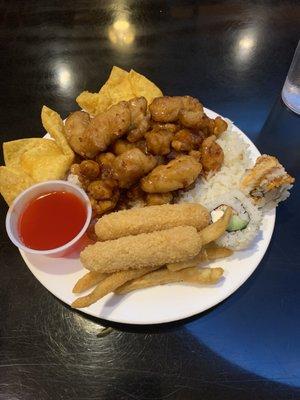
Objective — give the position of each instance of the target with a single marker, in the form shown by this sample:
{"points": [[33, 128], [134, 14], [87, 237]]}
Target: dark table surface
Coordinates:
{"points": [[234, 56]]}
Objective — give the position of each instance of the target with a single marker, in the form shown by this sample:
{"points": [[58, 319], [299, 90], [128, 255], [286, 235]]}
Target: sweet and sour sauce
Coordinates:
{"points": [[52, 220]]}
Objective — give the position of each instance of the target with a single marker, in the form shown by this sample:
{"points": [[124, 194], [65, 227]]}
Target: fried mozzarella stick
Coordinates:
{"points": [[144, 250], [108, 285], [88, 281], [163, 276], [150, 219]]}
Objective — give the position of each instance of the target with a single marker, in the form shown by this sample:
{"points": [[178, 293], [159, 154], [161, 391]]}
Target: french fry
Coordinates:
{"points": [[163, 276], [89, 280], [213, 231], [187, 264], [206, 254], [108, 285], [214, 253]]}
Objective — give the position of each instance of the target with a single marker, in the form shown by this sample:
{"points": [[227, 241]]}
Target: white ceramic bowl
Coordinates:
{"points": [[19, 204]]}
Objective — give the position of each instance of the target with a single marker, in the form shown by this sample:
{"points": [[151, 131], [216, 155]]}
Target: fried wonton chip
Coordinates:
{"points": [[89, 102], [54, 125], [13, 182], [121, 85], [41, 159], [141, 86], [29, 161]]}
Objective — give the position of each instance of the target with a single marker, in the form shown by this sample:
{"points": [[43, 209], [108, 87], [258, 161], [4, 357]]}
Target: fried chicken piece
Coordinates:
{"points": [[142, 145], [103, 189], [267, 183], [74, 169], [140, 118], [186, 140], [121, 145], [106, 160], [159, 141], [89, 169], [100, 207], [156, 199], [83, 180], [173, 128], [174, 154], [196, 154], [220, 126], [106, 127], [130, 166], [185, 109], [177, 174], [135, 193], [75, 127], [212, 126], [212, 155], [90, 136]]}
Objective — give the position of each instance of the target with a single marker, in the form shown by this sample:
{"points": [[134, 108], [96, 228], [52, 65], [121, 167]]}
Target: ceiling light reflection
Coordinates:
{"points": [[121, 33], [245, 46], [246, 43], [64, 76]]}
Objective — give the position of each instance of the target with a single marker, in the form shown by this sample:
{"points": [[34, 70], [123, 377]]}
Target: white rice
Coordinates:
{"points": [[236, 161], [72, 178]]}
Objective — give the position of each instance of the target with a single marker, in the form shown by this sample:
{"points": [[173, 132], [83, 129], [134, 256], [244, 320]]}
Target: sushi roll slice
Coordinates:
{"points": [[244, 223], [267, 183]]}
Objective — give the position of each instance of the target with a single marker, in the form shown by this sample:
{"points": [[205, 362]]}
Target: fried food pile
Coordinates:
{"points": [[150, 246], [135, 152]]}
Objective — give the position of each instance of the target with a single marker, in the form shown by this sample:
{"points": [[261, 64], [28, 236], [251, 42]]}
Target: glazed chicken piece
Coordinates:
{"points": [[105, 161], [156, 199], [140, 118], [220, 126], [102, 189], [135, 193], [177, 174], [185, 109], [169, 127], [159, 141], [75, 127], [83, 180], [196, 154], [212, 155], [186, 140], [142, 145], [121, 145], [212, 126], [130, 166], [89, 169], [103, 206], [88, 137]]}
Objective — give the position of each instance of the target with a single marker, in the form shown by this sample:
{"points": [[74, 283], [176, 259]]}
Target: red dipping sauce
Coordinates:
{"points": [[52, 220]]}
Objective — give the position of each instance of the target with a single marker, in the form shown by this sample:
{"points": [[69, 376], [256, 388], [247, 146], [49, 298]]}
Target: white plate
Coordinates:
{"points": [[162, 303]]}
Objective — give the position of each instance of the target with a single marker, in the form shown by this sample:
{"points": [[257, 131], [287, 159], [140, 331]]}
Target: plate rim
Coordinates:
{"points": [[184, 315]]}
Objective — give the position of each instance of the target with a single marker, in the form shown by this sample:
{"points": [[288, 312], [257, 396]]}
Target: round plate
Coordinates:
{"points": [[161, 303]]}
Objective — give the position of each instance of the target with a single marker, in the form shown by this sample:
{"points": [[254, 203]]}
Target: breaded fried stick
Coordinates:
{"points": [[144, 250], [150, 219]]}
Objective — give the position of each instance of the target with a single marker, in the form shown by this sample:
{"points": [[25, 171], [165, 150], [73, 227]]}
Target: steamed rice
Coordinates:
{"points": [[236, 161]]}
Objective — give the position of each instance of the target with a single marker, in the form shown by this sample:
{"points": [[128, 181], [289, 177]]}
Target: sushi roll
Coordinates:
{"points": [[244, 223], [267, 183]]}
